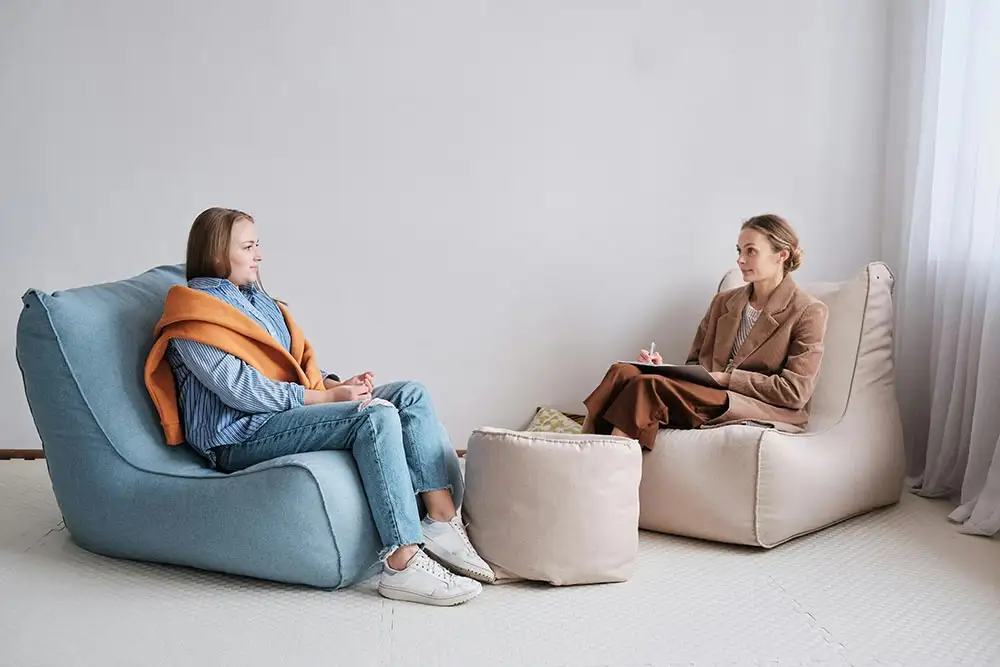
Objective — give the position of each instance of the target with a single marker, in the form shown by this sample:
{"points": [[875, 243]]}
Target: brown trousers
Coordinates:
{"points": [[640, 405]]}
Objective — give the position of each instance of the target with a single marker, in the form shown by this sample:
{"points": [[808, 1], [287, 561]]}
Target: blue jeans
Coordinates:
{"points": [[400, 452]]}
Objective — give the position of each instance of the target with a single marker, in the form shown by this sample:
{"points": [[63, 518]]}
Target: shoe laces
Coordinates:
{"points": [[424, 562], [459, 527]]}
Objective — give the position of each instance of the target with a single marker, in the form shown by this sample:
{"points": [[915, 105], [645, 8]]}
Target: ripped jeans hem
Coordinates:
{"points": [[446, 487], [384, 554]]}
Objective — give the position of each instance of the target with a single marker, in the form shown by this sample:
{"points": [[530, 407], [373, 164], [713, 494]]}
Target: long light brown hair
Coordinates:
{"points": [[208, 244]]}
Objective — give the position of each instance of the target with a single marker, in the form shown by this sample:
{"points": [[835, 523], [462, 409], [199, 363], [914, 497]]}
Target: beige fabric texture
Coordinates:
{"points": [[758, 486], [553, 507]]}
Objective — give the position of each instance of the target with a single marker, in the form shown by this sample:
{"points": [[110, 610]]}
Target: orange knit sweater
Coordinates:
{"points": [[201, 317]]}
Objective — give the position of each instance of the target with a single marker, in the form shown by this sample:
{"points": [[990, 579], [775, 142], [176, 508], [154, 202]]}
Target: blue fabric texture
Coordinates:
{"points": [[302, 518], [398, 443]]}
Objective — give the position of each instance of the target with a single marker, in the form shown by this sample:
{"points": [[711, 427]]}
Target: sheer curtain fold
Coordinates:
{"points": [[948, 247]]}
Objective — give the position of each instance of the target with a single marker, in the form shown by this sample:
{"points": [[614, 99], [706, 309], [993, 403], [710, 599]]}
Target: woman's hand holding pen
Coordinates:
{"points": [[650, 356]]}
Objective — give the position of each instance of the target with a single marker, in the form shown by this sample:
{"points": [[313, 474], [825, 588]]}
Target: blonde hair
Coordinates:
{"points": [[780, 235]]}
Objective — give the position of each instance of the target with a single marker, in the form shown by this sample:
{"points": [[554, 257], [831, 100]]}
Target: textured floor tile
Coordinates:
{"points": [[689, 603], [896, 587], [899, 587], [66, 606], [27, 507]]}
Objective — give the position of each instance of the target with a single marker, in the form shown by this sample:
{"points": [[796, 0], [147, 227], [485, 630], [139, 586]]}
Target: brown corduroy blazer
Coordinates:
{"points": [[774, 373]]}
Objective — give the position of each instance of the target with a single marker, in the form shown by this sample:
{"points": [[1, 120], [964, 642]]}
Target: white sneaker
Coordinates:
{"points": [[448, 542], [426, 582]]}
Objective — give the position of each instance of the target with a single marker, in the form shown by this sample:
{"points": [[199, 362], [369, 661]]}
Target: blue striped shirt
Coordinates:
{"points": [[222, 399]]}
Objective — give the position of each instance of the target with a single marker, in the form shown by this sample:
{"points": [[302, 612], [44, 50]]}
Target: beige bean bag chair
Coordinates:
{"points": [[748, 484], [552, 506]]}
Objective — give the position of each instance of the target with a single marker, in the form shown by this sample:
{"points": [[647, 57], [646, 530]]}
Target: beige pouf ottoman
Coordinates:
{"points": [[553, 507]]}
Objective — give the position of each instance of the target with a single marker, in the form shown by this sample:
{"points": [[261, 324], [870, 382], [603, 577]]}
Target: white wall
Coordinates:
{"points": [[498, 199]]}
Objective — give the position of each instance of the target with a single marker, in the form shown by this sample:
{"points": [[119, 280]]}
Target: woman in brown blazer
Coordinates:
{"points": [[762, 344]]}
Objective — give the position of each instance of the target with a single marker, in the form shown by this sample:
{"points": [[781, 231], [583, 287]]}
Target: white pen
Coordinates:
{"points": [[652, 350]]}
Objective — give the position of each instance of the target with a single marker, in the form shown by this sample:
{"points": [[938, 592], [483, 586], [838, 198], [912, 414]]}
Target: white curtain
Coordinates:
{"points": [[946, 243]]}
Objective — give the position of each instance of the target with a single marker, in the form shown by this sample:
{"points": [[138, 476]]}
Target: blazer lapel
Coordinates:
{"points": [[766, 324], [727, 327]]}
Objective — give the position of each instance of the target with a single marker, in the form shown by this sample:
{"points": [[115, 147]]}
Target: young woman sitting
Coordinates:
{"points": [[233, 376]]}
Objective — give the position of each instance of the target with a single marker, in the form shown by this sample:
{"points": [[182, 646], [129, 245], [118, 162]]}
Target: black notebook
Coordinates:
{"points": [[691, 372]]}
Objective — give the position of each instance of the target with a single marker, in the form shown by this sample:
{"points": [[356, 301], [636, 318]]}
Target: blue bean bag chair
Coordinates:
{"points": [[123, 492]]}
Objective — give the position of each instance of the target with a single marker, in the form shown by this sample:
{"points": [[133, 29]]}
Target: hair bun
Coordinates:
{"points": [[794, 260]]}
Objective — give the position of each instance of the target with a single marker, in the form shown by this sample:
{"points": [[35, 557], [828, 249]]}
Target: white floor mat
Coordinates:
{"points": [[896, 587]]}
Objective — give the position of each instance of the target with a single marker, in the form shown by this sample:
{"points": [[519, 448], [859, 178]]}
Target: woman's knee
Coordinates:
{"points": [[383, 419], [639, 385], [410, 393], [623, 370], [648, 383]]}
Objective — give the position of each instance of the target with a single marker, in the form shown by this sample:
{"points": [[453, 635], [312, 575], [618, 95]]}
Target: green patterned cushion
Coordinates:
{"points": [[553, 421]]}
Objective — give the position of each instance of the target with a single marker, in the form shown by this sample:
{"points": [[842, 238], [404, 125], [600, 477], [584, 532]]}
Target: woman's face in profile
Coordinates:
{"points": [[244, 253], [756, 259]]}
